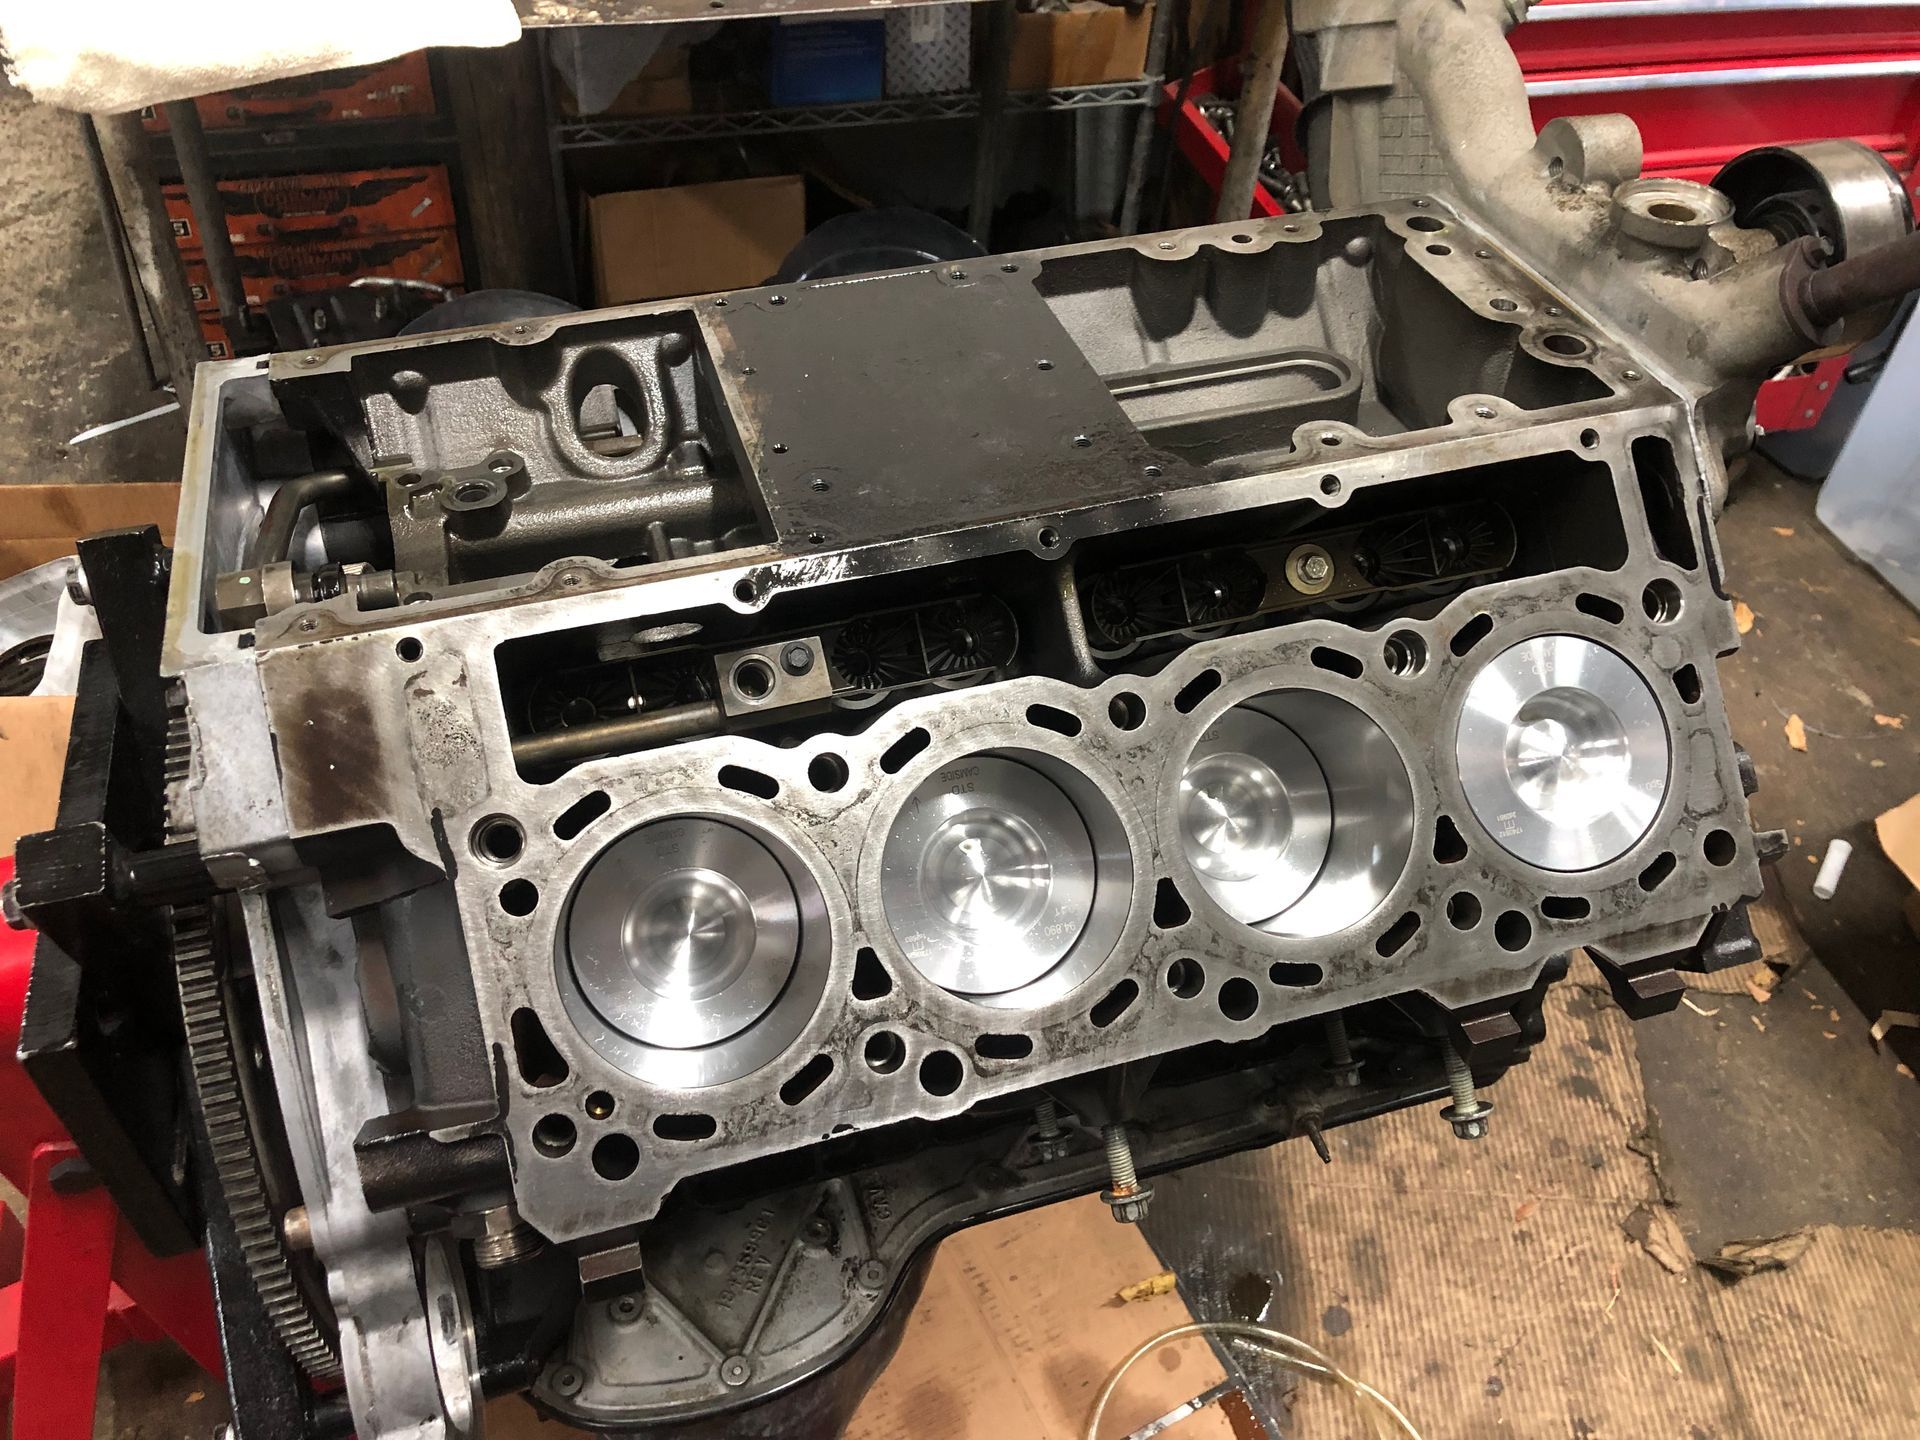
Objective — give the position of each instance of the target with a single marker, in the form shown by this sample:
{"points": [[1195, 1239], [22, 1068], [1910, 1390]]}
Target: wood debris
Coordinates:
{"points": [[1161, 1284], [1758, 1023], [1741, 1258], [1742, 616], [1760, 982], [1785, 532], [1796, 729], [1666, 1354], [1892, 722], [1831, 1034], [1654, 1229], [1524, 1211], [1687, 1001]]}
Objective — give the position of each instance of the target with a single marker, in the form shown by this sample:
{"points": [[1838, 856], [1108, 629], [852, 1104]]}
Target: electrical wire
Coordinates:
{"points": [[1383, 1417]]}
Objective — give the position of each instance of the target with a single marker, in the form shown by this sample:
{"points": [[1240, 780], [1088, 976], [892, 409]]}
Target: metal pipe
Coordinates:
{"points": [[606, 737], [127, 154], [275, 541], [1147, 123], [196, 172], [1860, 282], [117, 245], [1253, 114], [994, 67]]}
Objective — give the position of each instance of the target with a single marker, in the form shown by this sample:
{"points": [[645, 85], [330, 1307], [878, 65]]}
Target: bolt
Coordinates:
{"points": [[624, 1309], [1049, 1140], [567, 1379], [10, 908], [816, 1232], [309, 359], [1128, 1198], [797, 658], [504, 1238], [1340, 1062], [1468, 1113], [77, 586], [871, 1275], [735, 1371], [1316, 568], [1310, 1123]]}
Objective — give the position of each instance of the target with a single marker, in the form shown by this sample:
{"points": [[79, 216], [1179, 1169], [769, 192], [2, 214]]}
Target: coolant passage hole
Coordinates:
{"points": [[884, 1051], [615, 1157], [1186, 977], [553, 1135], [1239, 999]]}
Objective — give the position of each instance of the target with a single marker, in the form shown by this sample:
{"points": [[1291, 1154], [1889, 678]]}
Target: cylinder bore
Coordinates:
{"points": [[694, 950], [1006, 877], [1295, 811], [1563, 752]]}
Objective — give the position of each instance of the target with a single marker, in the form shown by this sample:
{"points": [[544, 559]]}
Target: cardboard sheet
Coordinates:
{"points": [[1899, 831], [33, 748], [39, 523], [1017, 1329]]}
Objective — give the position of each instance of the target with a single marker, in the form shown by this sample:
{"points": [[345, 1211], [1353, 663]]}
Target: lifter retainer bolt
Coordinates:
{"points": [[1128, 1199], [735, 1371], [797, 658], [1468, 1113], [567, 1380]]}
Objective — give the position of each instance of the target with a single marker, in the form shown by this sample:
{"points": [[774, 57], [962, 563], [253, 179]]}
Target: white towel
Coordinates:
{"points": [[106, 56]]}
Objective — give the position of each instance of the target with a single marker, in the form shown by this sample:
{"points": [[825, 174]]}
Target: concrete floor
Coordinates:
{"points": [[68, 353]]}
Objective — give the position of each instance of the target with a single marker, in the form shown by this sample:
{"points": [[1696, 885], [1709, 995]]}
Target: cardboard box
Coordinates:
{"points": [[693, 239], [39, 523], [1089, 44], [403, 86], [661, 88], [33, 755], [337, 206], [929, 49]]}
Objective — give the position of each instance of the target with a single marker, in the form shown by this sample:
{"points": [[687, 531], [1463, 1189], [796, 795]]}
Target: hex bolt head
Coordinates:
{"points": [[735, 1371], [1129, 1209], [567, 1380], [871, 1275], [1316, 568], [817, 1232], [797, 658], [1469, 1122]]}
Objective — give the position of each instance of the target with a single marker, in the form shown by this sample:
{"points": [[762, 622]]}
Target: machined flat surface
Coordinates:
{"points": [[924, 403]]}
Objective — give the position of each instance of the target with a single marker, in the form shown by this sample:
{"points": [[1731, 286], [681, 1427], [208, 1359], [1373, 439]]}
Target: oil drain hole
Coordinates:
{"points": [[1003, 1047], [941, 1073], [535, 1055], [827, 772], [1170, 908], [1439, 249], [1719, 848], [1114, 1004], [1463, 910], [1513, 930], [690, 1126], [1504, 305], [1600, 608], [1239, 999], [1061, 722], [898, 754], [409, 649], [499, 839], [1196, 690], [870, 977], [1656, 873], [746, 592], [1329, 484], [1426, 224], [518, 897], [1397, 935], [1563, 342], [1449, 845], [749, 782], [1686, 684], [1471, 634], [1566, 907], [582, 813], [1325, 657], [807, 1079], [884, 1052], [553, 1135], [1186, 977]]}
